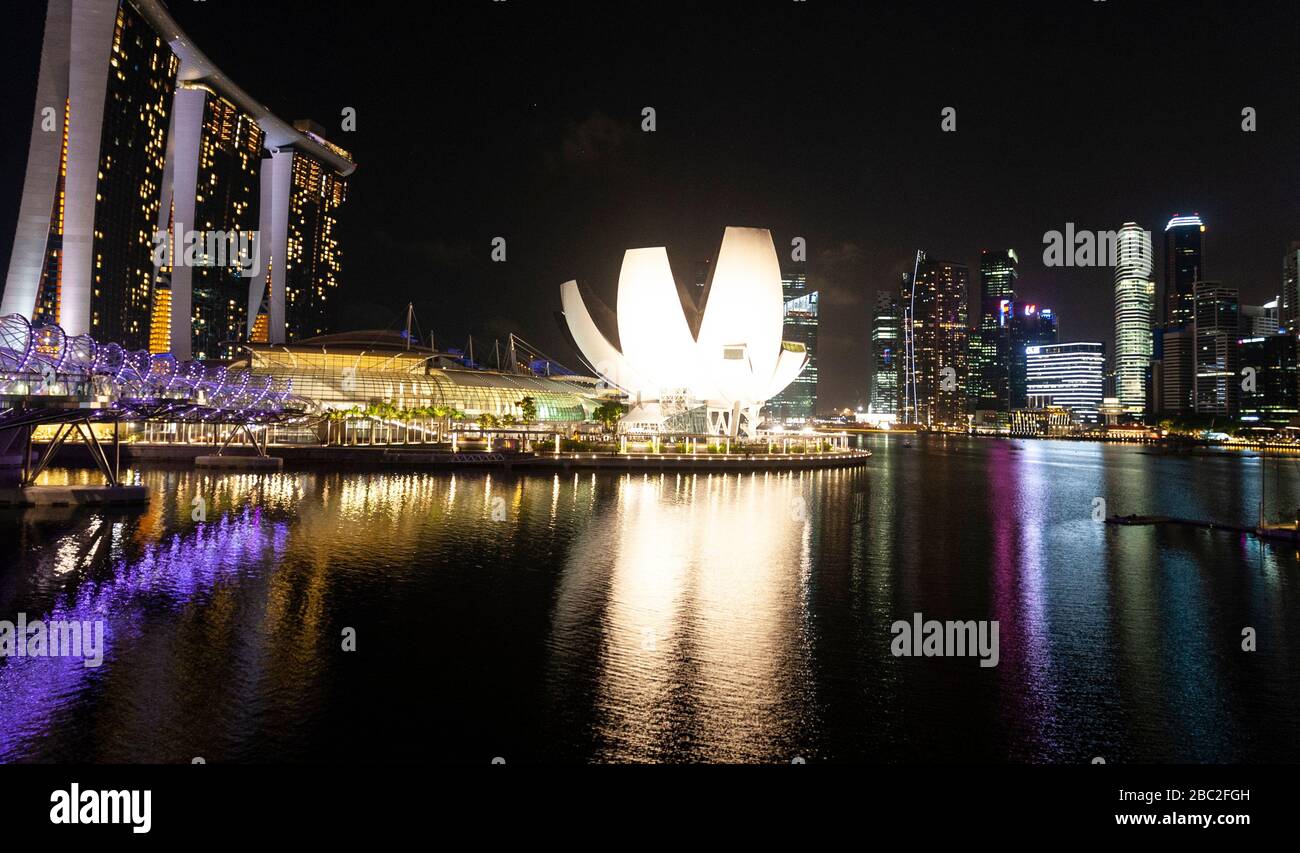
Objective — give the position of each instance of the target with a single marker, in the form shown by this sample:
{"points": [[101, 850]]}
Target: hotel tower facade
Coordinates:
{"points": [[136, 134]]}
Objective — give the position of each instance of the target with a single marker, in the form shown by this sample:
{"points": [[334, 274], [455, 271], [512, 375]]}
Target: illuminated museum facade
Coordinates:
{"points": [[688, 365]]}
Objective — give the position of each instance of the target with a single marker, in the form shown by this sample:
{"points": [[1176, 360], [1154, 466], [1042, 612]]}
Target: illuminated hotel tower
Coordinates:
{"points": [[1135, 292], [134, 131], [311, 190], [213, 166], [83, 247]]}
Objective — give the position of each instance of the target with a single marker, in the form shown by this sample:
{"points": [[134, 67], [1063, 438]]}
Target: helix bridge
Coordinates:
{"points": [[48, 377]]}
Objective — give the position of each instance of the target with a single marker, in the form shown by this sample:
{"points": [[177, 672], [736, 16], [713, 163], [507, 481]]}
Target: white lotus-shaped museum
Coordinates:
{"points": [[691, 365]]}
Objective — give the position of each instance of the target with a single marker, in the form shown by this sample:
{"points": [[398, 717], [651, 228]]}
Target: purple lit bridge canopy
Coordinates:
{"points": [[47, 376]]}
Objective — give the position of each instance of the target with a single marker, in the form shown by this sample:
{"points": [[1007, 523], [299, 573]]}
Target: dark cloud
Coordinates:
{"points": [[594, 145]]}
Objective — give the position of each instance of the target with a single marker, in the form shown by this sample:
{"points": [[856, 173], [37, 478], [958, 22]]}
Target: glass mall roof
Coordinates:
{"points": [[357, 369]]}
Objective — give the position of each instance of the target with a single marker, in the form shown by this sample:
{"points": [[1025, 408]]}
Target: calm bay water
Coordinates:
{"points": [[648, 617]]}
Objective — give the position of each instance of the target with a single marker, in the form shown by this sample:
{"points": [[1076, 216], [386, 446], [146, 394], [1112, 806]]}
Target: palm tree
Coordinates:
{"points": [[441, 413]]}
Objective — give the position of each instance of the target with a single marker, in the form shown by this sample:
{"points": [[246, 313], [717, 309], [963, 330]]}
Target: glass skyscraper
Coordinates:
{"points": [[1289, 301], [1272, 397], [1260, 320], [1029, 326], [798, 402], [935, 339], [885, 351], [1177, 369], [1184, 266], [1135, 292], [990, 345], [1216, 331]]}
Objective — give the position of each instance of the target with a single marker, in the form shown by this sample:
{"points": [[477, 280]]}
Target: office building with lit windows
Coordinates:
{"points": [[1216, 330], [1067, 375], [1135, 291], [136, 134]]}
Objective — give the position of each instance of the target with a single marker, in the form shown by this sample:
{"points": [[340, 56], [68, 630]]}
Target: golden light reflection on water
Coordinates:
{"points": [[699, 580]]}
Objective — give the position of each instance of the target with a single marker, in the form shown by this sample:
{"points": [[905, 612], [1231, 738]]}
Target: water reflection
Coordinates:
{"points": [[169, 574], [664, 617], [700, 582]]}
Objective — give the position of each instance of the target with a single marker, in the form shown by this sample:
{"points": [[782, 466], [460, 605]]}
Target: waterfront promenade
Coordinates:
{"points": [[415, 456]]}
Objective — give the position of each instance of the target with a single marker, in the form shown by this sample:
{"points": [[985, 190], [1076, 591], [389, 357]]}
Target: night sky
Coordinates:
{"points": [[814, 119]]}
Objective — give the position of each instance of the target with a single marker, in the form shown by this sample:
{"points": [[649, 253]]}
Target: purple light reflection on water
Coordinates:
{"points": [[33, 690], [1026, 663]]}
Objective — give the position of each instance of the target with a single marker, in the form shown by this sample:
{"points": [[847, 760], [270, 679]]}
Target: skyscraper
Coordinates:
{"points": [[1029, 326], [1071, 375], [148, 134], [214, 167], [1260, 321], [1135, 292], [309, 254], [990, 345], [1270, 395], [797, 403], [83, 248], [1177, 369], [1289, 301], [885, 332], [935, 338], [1184, 266], [1216, 331]]}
